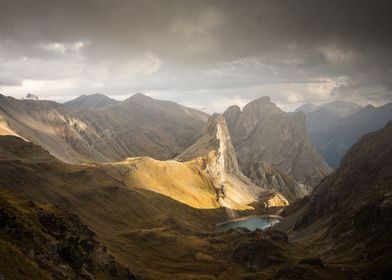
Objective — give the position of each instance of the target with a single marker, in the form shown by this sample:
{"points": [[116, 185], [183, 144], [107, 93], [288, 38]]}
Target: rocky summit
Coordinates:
{"points": [[261, 132]]}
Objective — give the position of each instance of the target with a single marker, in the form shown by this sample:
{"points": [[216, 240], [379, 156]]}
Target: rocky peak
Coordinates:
{"points": [[259, 104], [264, 133], [91, 101], [139, 98], [226, 153], [216, 148]]}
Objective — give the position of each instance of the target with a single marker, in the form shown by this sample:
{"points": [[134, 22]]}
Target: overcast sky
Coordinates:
{"points": [[205, 54]]}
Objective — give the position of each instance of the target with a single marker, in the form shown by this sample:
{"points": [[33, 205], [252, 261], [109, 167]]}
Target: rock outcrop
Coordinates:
{"points": [[264, 133], [219, 161], [216, 145], [216, 156]]}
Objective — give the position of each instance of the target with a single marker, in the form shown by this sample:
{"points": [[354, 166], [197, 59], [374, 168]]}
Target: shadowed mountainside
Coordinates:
{"points": [[347, 220]]}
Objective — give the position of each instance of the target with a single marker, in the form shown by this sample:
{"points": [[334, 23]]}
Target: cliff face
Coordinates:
{"points": [[264, 133], [216, 145]]}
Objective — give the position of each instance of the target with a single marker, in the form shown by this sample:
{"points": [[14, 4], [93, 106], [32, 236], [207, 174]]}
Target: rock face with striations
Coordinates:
{"points": [[263, 132], [215, 143]]}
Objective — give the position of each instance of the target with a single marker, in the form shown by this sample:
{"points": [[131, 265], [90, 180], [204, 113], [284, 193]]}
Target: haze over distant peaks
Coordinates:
{"points": [[339, 107], [333, 135]]}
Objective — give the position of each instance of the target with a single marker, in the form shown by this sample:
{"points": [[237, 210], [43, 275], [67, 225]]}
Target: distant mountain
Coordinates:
{"points": [[335, 141], [97, 128], [339, 108], [90, 101], [350, 211], [261, 132], [321, 120]]}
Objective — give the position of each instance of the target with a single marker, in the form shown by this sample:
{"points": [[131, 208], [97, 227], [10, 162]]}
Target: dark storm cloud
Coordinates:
{"points": [[222, 47]]}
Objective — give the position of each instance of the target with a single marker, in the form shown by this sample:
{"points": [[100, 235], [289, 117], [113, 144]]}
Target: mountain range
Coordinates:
{"points": [[76, 205], [334, 127], [97, 128]]}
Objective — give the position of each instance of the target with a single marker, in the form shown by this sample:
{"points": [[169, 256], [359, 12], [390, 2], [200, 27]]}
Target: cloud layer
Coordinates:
{"points": [[207, 54]]}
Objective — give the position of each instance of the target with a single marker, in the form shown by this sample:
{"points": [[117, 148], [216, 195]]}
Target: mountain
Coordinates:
{"points": [[215, 138], [350, 211], [340, 108], [90, 101], [335, 141], [321, 120], [261, 132], [96, 128], [219, 161]]}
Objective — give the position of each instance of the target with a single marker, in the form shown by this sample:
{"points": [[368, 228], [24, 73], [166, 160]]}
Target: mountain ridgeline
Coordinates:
{"points": [[334, 127], [97, 128]]}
